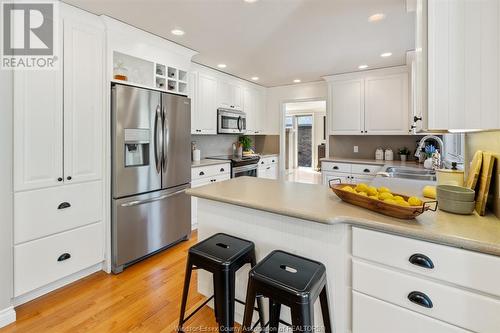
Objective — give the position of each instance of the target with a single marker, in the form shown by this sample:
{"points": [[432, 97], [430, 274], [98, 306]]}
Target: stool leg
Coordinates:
{"points": [[224, 283], [260, 301], [325, 310], [302, 317], [274, 316], [249, 302], [185, 292]]}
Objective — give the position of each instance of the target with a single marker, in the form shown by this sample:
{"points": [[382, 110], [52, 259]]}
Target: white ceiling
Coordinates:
{"points": [[276, 40], [306, 106]]}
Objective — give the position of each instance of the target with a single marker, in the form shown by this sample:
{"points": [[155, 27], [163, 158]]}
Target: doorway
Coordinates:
{"points": [[304, 139]]}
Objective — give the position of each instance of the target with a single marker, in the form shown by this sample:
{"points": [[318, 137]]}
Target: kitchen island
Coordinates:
{"points": [[311, 221]]}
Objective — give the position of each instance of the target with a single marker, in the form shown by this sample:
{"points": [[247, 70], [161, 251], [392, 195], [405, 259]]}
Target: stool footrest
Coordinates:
{"points": [[197, 309]]}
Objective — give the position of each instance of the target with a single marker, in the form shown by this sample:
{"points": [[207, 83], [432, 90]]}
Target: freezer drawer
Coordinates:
{"points": [[147, 223]]}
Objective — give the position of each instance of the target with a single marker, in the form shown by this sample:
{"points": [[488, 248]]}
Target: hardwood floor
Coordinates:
{"points": [[144, 298]]}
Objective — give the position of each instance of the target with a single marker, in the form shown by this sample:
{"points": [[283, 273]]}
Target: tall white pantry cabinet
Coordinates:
{"points": [[59, 159]]}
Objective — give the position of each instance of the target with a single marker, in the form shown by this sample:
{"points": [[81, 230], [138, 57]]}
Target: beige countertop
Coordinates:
{"points": [[207, 162], [317, 203], [267, 155]]}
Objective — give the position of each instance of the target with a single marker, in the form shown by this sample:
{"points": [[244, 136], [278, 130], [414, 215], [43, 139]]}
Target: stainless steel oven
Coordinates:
{"points": [[246, 170], [231, 121]]}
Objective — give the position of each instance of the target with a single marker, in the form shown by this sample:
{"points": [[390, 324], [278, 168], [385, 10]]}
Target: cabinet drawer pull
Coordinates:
{"points": [[221, 170], [64, 256], [64, 205], [421, 299], [69, 178], [366, 170], [421, 260], [335, 168], [201, 173]]}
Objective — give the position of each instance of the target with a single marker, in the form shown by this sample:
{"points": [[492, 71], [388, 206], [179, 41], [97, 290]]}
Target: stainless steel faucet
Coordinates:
{"points": [[440, 144]]}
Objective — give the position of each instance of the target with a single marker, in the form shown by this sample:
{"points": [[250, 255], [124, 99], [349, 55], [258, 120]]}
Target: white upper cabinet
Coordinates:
{"points": [[204, 104], [83, 100], [463, 63], [347, 108], [229, 95], [58, 128], [371, 102], [212, 90], [386, 104], [38, 130]]}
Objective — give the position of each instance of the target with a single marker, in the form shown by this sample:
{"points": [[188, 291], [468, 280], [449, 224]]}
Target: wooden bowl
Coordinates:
{"points": [[382, 207]]}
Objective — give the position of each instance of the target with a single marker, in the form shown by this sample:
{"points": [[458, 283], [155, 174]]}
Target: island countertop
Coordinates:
{"points": [[317, 203]]}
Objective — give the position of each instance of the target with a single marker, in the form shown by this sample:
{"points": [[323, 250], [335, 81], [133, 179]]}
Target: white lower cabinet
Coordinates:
{"points": [[44, 212], [40, 262], [371, 315], [435, 284], [205, 175], [348, 173], [268, 167]]}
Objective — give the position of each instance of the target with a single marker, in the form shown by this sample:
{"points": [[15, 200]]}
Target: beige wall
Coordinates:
{"points": [[486, 141], [342, 145], [6, 270]]}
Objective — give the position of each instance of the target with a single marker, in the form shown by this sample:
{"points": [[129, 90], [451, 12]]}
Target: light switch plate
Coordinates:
{"points": [[356, 149]]}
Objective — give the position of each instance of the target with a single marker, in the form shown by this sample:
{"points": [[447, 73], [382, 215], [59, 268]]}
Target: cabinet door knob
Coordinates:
{"points": [[59, 179], [273, 161], [64, 256], [69, 178], [64, 205], [421, 260], [201, 173], [421, 299], [335, 168]]}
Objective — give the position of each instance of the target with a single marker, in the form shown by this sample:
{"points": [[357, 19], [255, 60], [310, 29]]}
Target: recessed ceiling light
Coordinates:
{"points": [[386, 54], [221, 65], [376, 17], [296, 81], [255, 78], [250, 1], [362, 66], [177, 32]]}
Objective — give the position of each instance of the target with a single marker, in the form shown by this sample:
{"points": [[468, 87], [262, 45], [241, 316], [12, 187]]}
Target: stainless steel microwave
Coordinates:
{"points": [[231, 121]]}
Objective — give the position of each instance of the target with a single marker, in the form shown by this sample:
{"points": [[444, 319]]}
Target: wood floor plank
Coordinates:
{"points": [[144, 298]]}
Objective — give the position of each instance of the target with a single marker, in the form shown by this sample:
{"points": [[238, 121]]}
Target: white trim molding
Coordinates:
{"points": [[7, 316]]}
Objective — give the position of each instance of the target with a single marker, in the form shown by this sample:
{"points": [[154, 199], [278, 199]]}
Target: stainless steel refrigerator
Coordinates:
{"points": [[151, 169]]}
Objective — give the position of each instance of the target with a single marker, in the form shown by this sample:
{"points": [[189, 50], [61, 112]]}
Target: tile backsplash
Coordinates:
{"points": [[214, 145], [342, 145]]}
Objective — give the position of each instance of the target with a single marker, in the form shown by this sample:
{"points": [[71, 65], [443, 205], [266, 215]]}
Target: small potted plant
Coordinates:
{"points": [[403, 153], [246, 143]]}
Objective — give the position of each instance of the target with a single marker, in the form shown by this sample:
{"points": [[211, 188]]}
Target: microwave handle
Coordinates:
{"points": [[239, 121]]}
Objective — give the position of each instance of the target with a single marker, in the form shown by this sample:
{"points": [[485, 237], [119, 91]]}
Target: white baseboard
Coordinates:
{"points": [[29, 296], [7, 316]]}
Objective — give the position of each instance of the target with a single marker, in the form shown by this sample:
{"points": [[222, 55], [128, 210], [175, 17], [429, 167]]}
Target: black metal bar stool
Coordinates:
{"points": [[222, 255], [287, 279]]}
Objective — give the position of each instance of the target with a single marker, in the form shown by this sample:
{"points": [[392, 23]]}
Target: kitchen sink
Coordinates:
{"points": [[410, 173]]}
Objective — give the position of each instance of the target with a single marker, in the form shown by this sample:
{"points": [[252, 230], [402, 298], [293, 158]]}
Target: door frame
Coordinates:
{"points": [[283, 104]]}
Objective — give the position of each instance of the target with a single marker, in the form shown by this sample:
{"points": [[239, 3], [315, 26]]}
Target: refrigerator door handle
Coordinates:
{"points": [[158, 134], [163, 197], [165, 138]]}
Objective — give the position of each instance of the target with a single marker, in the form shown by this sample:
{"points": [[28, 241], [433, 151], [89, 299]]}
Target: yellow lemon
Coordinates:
{"points": [[429, 192], [390, 201], [414, 201], [372, 190], [402, 203], [373, 197], [363, 194], [398, 198], [361, 187], [385, 195], [384, 189], [348, 189]]}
